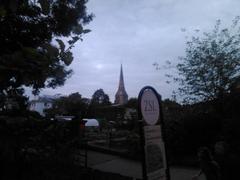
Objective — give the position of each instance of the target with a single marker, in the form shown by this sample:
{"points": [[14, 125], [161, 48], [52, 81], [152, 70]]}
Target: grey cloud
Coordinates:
{"points": [[138, 33]]}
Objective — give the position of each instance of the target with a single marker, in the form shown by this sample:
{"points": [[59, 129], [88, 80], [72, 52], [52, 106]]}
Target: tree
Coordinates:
{"points": [[211, 64], [132, 103], [73, 105], [99, 98], [14, 103], [98, 102], [32, 52]]}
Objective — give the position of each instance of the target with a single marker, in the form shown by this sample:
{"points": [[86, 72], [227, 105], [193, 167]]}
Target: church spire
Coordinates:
{"points": [[121, 96], [121, 81]]}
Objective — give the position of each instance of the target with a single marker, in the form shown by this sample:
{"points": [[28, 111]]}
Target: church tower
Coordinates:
{"points": [[121, 96]]}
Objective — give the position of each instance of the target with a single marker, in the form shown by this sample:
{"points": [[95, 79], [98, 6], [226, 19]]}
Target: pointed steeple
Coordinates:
{"points": [[121, 81], [121, 96]]}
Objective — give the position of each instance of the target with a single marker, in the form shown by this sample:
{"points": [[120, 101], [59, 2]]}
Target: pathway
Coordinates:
{"points": [[126, 167]]}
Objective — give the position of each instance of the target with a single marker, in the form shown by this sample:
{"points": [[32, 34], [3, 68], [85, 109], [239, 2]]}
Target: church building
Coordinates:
{"points": [[121, 96]]}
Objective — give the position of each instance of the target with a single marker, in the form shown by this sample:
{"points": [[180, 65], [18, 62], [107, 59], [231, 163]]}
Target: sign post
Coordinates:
{"points": [[154, 162]]}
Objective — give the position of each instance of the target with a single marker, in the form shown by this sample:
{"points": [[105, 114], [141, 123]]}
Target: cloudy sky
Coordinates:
{"points": [[138, 33]]}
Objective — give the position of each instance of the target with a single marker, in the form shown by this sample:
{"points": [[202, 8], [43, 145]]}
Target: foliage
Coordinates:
{"points": [[211, 64], [98, 104], [32, 52], [35, 147], [99, 98], [231, 123], [134, 145], [74, 105], [132, 103], [13, 103], [189, 127]]}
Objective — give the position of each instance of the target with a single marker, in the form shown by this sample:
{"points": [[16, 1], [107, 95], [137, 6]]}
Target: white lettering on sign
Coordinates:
{"points": [[150, 107]]}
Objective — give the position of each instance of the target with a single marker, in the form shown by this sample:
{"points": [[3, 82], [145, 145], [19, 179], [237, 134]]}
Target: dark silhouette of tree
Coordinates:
{"points": [[32, 52], [132, 103], [211, 64], [98, 102], [99, 98], [14, 103], [74, 105]]}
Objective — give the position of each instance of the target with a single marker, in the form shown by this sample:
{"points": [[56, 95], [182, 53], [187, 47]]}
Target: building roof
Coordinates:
{"points": [[46, 98]]}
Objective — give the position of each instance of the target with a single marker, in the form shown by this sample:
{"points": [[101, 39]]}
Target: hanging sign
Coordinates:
{"points": [[155, 166]]}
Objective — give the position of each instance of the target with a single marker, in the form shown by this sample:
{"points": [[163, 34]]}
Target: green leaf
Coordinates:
{"points": [[85, 31], [78, 29], [67, 58], [51, 50], [61, 44], [73, 40], [45, 5]]}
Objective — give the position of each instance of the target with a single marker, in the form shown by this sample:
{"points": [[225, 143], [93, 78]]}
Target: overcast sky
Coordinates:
{"points": [[138, 33]]}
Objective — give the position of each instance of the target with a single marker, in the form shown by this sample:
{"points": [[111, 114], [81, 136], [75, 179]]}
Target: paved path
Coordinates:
{"points": [[126, 167]]}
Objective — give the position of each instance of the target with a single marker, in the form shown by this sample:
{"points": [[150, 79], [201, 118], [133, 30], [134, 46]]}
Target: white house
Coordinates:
{"points": [[42, 103]]}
